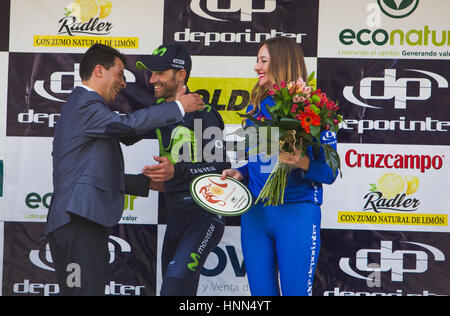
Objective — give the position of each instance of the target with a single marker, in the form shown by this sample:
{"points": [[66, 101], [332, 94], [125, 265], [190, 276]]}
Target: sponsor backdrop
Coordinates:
{"points": [[385, 227]]}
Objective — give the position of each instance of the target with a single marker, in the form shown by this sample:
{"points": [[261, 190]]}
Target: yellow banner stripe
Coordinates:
{"points": [[84, 41], [393, 219]]}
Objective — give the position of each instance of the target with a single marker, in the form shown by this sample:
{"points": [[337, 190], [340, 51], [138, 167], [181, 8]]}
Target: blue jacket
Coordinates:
{"points": [[302, 186]]}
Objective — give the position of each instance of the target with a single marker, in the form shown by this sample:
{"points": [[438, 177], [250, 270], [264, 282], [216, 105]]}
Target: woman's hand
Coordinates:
{"points": [[233, 173], [295, 159]]}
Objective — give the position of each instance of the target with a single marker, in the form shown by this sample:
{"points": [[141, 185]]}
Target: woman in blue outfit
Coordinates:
{"points": [[283, 238]]}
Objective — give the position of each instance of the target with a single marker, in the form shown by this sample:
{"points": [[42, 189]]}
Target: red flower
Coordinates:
{"points": [[294, 108], [283, 84], [332, 106], [276, 87], [307, 118], [271, 93]]}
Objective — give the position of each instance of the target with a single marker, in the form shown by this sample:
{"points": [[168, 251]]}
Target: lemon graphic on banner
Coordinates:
{"points": [[73, 9], [88, 9], [84, 10], [412, 183], [105, 8], [391, 184]]}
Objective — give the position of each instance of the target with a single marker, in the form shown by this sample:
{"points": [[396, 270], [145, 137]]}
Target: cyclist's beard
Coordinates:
{"points": [[166, 89]]}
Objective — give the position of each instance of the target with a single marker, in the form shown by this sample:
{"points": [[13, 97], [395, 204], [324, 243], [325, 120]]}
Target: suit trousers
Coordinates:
{"points": [[81, 256]]}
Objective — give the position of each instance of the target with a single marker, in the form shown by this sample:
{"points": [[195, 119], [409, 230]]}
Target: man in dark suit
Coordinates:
{"points": [[88, 169]]}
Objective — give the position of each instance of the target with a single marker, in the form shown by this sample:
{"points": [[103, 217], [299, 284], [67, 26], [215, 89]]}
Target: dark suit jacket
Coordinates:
{"points": [[88, 167]]}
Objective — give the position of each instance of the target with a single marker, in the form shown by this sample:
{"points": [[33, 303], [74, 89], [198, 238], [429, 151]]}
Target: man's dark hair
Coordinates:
{"points": [[98, 54]]}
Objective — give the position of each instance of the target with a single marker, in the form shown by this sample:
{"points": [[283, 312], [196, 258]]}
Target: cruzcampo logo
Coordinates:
{"points": [[398, 9], [193, 265]]}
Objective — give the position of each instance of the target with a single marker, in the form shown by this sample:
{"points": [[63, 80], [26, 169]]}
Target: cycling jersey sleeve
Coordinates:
{"points": [[318, 170], [244, 171]]}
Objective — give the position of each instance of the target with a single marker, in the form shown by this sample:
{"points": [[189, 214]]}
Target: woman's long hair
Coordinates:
{"points": [[287, 63]]}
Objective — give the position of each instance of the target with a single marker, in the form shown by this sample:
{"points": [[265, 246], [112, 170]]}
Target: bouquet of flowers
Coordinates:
{"points": [[301, 113]]}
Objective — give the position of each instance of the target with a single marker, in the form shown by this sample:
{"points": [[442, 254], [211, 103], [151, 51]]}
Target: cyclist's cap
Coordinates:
{"points": [[173, 56]]}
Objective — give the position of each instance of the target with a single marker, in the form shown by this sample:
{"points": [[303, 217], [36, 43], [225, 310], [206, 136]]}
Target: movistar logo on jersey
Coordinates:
{"points": [[159, 51], [193, 265]]}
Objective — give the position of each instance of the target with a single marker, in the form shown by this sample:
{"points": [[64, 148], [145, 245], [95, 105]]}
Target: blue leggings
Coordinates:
{"points": [[282, 238]]}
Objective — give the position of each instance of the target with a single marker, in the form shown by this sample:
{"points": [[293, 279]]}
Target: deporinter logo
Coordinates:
{"points": [[395, 88], [397, 262], [398, 9], [244, 7], [53, 84]]}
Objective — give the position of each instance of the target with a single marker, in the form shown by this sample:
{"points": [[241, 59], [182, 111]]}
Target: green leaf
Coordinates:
{"points": [[311, 77], [332, 158], [405, 4], [285, 94], [315, 109], [324, 112], [289, 123], [276, 107], [315, 130], [315, 99], [391, 4], [334, 128]]}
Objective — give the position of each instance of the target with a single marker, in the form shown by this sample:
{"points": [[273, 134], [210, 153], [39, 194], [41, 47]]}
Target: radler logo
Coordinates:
{"points": [[83, 16], [84, 23]]}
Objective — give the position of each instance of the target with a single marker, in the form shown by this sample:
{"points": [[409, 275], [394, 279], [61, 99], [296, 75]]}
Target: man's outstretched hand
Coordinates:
{"points": [[191, 102]]}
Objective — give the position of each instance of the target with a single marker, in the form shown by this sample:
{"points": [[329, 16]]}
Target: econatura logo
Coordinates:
{"points": [[398, 8], [380, 37], [423, 36]]}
